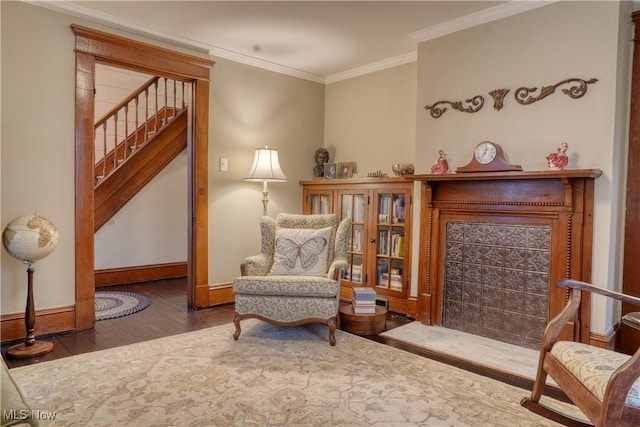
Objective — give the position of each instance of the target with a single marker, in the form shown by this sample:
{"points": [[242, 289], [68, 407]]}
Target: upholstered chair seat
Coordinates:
{"points": [[602, 383], [296, 277]]}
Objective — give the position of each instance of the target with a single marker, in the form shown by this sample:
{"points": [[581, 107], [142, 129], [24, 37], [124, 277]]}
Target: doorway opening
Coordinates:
{"points": [[95, 46]]}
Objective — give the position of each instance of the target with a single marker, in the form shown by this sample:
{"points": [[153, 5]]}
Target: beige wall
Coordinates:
{"points": [[249, 108], [37, 73], [370, 119], [535, 49]]}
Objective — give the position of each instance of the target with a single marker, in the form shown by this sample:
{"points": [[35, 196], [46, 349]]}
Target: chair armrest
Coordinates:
{"points": [[556, 325], [576, 284], [337, 268], [632, 320], [257, 265]]}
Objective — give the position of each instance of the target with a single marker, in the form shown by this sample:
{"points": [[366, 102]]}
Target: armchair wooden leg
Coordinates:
{"points": [[332, 331], [236, 322]]}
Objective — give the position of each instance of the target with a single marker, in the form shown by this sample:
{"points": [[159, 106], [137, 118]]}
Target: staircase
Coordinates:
{"points": [[134, 141]]}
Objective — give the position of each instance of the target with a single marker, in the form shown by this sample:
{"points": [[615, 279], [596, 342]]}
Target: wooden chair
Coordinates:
{"points": [[603, 384]]}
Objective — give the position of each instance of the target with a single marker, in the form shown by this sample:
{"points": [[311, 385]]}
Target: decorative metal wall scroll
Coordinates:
{"points": [[498, 98], [476, 104], [522, 95]]}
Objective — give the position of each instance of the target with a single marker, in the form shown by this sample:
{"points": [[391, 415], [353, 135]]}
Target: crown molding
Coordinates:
{"points": [[498, 12], [73, 9], [370, 68], [477, 18], [260, 63]]}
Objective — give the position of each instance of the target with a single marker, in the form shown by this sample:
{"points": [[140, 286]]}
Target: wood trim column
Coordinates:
{"points": [[198, 259], [630, 338], [84, 253]]}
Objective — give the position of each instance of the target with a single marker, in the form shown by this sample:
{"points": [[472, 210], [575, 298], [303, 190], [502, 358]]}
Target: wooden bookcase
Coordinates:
{"points": [[380, 236]]}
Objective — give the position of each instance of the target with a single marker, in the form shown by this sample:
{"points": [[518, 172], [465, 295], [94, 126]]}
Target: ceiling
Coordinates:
{"points": [[323, 41]]}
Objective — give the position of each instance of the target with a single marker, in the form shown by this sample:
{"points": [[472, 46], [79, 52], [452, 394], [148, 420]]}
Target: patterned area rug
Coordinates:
{"points": [[110, 305], [270, 377]]}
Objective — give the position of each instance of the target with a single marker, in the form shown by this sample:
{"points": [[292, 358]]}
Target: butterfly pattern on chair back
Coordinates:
{"points": [[308, 252], [301, 251]]}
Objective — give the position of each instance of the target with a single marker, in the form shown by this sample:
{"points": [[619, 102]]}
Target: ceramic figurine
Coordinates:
{"points": [[442, 165], [559, 159]]}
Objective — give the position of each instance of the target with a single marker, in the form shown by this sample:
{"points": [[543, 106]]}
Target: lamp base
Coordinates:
{"points": [[24, 351]]}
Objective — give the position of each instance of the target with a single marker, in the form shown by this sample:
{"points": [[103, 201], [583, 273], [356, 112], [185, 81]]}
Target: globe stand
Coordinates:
{"points": [[30, 347]]}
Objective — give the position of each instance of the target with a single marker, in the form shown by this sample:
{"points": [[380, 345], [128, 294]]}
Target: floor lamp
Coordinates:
{"points": [[265, 168]]}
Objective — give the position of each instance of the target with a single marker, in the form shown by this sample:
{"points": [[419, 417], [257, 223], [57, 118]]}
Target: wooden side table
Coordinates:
{"points": [[363, 324]]}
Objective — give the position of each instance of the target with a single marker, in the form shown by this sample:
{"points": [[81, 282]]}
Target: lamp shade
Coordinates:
{"points": [[265, 166]]}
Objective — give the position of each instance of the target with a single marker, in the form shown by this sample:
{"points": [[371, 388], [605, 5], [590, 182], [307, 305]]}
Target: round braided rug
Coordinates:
{"points": [[110, 305]]}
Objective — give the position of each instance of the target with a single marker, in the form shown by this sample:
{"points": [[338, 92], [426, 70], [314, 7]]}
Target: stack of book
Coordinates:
{"points": [[364, 300]]}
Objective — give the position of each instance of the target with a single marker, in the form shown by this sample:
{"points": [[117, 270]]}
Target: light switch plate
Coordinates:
{"points": [[223, 166]]}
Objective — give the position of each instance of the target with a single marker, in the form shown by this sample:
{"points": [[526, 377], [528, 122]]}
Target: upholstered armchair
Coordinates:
{"points": [[603, 384], [296, 277]]}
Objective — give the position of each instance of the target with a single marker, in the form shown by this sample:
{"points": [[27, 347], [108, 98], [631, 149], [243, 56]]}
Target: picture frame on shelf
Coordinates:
{"points": [[345, 170], [330, 171]]}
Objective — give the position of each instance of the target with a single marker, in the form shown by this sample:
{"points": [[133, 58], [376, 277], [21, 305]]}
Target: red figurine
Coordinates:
{"points": [[559, 159], [441, 166]]}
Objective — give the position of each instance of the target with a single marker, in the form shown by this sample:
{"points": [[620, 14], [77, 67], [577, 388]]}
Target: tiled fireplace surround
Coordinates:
{"points": [[492, 246], [496, 280]]}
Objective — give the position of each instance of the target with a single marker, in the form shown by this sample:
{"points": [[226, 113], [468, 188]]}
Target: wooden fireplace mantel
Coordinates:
{"points": [[561, 202]]}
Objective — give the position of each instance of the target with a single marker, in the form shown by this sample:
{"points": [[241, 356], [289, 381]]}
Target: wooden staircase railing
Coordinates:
{"points": [[134, 122]]}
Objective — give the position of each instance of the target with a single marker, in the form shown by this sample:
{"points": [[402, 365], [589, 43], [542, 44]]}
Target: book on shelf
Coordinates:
{"points": [[384, 210], [397, 245], [398, 208], [394, 281], [354, 274], [383, 244]]}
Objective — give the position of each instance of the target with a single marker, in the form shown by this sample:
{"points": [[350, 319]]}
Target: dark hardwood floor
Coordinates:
{"points": [[168, 315]]}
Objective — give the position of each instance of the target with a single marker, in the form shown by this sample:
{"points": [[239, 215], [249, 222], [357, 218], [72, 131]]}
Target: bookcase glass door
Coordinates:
{"points": [[390, 241], [353, 205], [320, 203]]}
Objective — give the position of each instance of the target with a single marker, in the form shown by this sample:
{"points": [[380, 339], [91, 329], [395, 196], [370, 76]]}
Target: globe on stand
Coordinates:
{"points": [[29, 238]]}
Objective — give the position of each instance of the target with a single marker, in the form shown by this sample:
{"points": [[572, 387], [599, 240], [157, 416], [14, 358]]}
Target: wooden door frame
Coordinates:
{"points": [[96, 46], [630, 339]]}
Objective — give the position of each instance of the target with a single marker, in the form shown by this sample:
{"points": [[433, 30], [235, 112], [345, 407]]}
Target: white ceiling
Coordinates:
{"points": [[323, 41]]}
